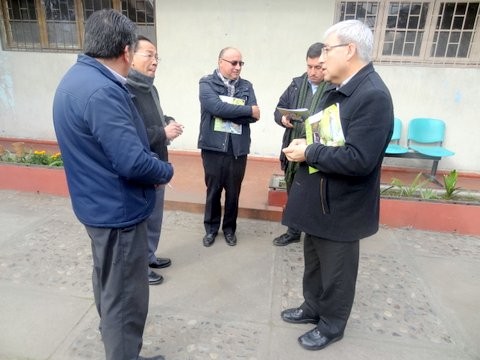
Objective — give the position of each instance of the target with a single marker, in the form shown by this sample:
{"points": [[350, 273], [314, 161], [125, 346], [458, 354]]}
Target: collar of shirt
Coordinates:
{"points": [[313, 86], [119, 77], [344, 82]]}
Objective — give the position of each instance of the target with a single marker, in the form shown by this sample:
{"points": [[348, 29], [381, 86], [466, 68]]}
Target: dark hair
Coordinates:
{"points": [[107, 33], [141, 38], [315, 50]]}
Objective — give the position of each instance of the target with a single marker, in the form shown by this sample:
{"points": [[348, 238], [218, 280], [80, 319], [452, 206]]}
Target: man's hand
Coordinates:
{"points": [[296, 150], [286, 122], [256, 112], [173, 130]]}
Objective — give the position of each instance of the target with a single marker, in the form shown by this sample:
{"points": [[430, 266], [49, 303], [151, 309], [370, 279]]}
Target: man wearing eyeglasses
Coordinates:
{"points": [[304, 92], [161, 130], [228, 107], [335, 197]]}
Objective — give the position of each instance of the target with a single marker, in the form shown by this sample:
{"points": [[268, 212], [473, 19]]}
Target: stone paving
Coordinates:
{"points": [[417, 292]]}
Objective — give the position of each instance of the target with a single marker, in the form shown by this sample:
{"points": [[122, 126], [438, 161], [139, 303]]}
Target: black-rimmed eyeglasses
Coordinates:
{"points": [[234, 63]]}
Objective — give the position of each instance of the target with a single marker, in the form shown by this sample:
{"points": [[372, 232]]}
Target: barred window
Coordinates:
{"points": [[58, 25], [420, 32]]}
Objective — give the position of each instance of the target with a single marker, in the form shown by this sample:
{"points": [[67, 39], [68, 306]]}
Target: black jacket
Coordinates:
{"points": [[341, 202], [211, 86], [288, 100], [147, 108]]}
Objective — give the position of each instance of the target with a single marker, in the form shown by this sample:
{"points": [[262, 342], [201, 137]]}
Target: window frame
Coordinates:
{"points": [[425, 56], [44, 44]]}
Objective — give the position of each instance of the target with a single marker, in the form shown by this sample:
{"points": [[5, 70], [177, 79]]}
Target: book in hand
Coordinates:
{"points": [[294, 114], [226, 125], [325, 128]]}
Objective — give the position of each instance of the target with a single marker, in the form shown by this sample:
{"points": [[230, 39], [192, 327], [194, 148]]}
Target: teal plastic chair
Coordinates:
{"points": [[394, 147], [425, 136]]}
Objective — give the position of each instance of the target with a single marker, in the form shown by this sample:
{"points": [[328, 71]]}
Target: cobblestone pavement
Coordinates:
{"points": [[417, 292]]}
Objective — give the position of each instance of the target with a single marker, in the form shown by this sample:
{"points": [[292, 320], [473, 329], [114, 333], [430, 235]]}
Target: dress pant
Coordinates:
{"points": [[222, 172], [154, 224], [329, 281], [291, 230], [120, 287]]}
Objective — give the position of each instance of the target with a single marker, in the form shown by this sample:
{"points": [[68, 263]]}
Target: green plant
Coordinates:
{"points": [[450, 184], [428, 194], [409, 190], [34, 157]]}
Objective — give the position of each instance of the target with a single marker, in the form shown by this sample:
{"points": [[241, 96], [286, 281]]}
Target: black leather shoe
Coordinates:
{"points": [[315, 340], [231, 239], [209, 239], [286, 239], [298, 316], [158, 357], [154, 278], [161, 263]]}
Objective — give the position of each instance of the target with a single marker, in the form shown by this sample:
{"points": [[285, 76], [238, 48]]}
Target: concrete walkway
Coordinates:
{"points": [[418, 293]]}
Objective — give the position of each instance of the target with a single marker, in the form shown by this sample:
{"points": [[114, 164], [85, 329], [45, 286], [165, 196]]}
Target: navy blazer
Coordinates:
{"points": [[211, 87]]}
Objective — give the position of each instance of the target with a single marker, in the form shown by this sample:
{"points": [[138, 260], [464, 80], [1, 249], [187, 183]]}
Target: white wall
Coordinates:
{"points": [[27, 86], [273, 37]]}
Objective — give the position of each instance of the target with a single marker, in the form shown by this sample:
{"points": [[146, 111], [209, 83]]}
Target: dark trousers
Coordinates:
{"points": [[329, 281], [120, 287], [222, 172], [291, 230], [154, 224]]}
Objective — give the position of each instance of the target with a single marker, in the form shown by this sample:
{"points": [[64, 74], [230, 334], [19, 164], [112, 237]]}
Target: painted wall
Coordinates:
{"points": [[273, 37]]}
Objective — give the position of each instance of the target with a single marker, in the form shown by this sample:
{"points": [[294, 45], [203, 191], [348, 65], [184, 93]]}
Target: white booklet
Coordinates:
{"points": [[294, 114]]}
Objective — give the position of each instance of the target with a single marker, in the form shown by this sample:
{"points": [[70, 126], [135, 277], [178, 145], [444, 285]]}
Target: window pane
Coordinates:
{"points": [[94, 5], [457, 21], [143, 13], [21, 9], [471, 16], [365, 11], [409, 16], [24, 31]]}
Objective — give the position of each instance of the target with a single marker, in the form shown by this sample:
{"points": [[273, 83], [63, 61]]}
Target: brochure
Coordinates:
{"points": [[325, 128], [294, 114], [226, 125]]}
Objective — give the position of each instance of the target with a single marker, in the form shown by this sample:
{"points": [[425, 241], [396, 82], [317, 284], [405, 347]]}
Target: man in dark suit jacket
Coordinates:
{"points": [[339, 204]]}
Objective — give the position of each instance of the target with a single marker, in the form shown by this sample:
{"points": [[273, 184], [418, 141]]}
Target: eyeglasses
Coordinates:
{"points": [[149, 56], [327, 48], [234, 63]]}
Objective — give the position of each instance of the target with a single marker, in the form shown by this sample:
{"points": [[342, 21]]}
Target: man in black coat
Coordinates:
{"points": [[338, 205], [161, 130], [304, 92]]}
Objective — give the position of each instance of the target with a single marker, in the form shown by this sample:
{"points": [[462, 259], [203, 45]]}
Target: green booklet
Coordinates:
{"points": [[325, 128], [226, 125]]}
